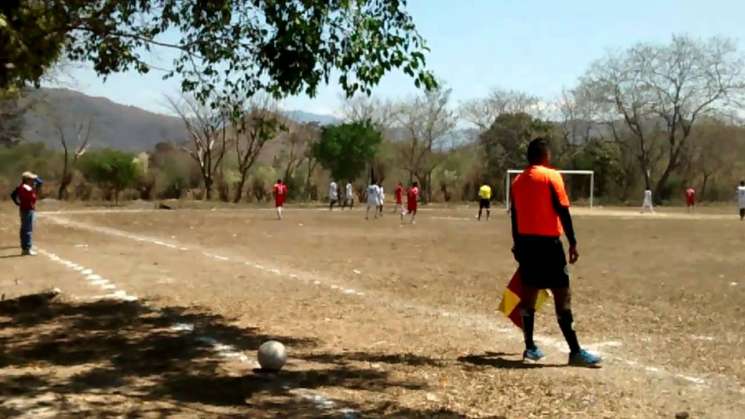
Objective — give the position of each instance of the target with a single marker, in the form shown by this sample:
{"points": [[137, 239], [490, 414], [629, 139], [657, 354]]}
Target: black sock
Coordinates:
{"points": [[566, 324], [528, 324]]}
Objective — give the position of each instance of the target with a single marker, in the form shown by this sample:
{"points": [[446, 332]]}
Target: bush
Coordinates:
{"points": [[111, 170]]}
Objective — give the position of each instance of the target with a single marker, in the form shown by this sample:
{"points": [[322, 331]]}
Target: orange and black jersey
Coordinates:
{"points": [[540, 205]]}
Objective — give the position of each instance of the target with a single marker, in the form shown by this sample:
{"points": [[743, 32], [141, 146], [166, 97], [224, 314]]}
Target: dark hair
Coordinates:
{"points": [[279, 180], [415, 183], [537, 150], [742, 182]]}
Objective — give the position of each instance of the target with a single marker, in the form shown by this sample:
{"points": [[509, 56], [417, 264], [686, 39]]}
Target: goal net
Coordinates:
{"points": [[589, 173]]}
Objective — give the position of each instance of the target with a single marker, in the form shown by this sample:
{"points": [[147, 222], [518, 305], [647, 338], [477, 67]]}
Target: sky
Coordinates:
{"points": [[535, 46]]}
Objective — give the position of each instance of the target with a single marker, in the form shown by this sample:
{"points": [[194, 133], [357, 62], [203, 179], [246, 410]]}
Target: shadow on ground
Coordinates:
{"points": [[112, 358], [500, 360]]}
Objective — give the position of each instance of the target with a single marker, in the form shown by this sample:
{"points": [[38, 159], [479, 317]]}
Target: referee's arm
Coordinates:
{"points": [[564, 216]]}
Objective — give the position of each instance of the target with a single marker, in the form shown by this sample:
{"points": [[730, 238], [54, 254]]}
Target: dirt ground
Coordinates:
{"points": [[161, 312]]}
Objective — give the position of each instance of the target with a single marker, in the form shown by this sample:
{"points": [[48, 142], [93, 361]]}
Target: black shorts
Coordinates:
{"points": [[484, 203], [543, 263]]}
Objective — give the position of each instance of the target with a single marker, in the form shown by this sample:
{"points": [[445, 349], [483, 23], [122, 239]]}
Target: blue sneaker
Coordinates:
{"points": [[584, 359], [533, 355]]}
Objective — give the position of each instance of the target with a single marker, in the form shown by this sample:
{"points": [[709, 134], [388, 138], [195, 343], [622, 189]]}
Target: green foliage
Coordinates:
{"points": [[228, 47], [505, 143], [346, 149], [111, 170]]}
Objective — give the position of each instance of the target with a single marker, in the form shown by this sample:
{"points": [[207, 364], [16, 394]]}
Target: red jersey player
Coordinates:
{"points": [[280, 194], [690, 198], [412, 199], [399, 194]]}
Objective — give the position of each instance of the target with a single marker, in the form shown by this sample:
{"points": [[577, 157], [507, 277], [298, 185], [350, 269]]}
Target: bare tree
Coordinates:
{"points": [[367, 108], [482, 112], [72, 151], [311, 134], [252, 129], [426, 122], [661, 91], [208, 131], [298, 139], [711, 151]]}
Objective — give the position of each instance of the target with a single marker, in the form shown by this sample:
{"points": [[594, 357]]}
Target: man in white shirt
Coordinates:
{"points": [[647, 205], [381, 198], [373, 199], [333, 195], [741, 199], [348, 196]]}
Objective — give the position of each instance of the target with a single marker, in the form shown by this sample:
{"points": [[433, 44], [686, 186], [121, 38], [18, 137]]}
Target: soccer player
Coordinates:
{"points": [[398, 193], [540, 213], [381, 198], [690, 198], [373, 199], [24, 196], [333, 194], [647, 205], [280, 194], [412, 201], [741, 199], [348, 196], [485, 200]]}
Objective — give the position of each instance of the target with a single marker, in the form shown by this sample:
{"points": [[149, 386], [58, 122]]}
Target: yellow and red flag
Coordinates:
{"points": [[512, 296]]}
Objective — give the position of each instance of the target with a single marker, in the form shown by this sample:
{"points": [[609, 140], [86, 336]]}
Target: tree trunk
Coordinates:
{"points": [[208, 188], [61, 193], [704, 184], [239, 188]]}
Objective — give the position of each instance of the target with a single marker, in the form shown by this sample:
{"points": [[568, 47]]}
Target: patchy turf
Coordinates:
{"points": [[380, 319]]}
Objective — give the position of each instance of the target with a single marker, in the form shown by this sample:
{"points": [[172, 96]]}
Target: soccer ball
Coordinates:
{"points": [[272, 355]]}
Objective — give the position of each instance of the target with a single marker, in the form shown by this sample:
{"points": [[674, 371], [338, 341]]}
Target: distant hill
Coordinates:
{"points": [[114, 125], [304, 117]]}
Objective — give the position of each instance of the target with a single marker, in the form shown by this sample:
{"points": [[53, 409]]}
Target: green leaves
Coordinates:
{"points": [[226, 47], [346, 149], [110, 169]]}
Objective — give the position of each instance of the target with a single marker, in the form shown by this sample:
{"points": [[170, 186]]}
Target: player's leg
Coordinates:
{"points": [[742, 214], [527, 312], [565, 318], [27, 227], [413, 216]]}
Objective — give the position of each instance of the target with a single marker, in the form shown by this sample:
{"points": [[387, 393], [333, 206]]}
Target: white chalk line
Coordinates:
{"points": [[471, 320], [159, 242], [224, 350]]}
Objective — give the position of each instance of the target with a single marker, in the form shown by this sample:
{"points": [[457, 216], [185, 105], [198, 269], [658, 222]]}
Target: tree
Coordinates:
{"points": [[505, 143], [345, 150], [426, 122], [660, 92], [13, 107], [483, 112], [712, 144], [111, 170], [252, 129], [82, 136], [207, 128], [224, 48]]}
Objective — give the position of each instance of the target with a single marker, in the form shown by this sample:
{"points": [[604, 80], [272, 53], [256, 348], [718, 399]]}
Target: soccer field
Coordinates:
{"points": [[161, 313]]}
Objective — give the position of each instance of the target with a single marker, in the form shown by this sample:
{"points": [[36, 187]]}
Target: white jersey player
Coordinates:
{"points": [[647, 205], [741, 199], [381, 198], [348, 196], [373, 199], [333, 194]]}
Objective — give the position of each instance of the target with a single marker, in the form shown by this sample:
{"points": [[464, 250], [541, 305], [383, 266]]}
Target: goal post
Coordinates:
{"points": [[508, 182]]}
